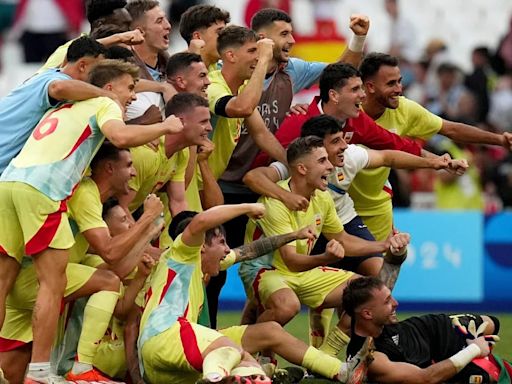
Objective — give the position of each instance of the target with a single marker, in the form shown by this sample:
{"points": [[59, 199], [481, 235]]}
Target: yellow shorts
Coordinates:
{"points": [[175, 355], [234, 333], [380, 225], [31, 222], [311, 287], [17, 328]]}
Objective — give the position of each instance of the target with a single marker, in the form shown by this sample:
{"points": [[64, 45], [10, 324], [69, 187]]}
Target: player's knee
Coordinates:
{"points": [[286, 311], [272, 330], [494, 323], [109, 281]]}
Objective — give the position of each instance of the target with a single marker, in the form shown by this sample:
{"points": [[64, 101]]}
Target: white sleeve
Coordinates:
{"points": [[358, 155], [282, 170]]}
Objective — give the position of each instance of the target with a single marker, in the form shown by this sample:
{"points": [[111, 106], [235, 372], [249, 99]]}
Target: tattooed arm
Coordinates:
{"points": [[391, 268], [266, 245]]}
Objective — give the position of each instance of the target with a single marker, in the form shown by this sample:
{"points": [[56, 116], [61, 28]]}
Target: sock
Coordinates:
{"points": [[319, 324], [335, 342], [248, 371], [219, 363], [39, 370], [97, 315], [319, 362]]}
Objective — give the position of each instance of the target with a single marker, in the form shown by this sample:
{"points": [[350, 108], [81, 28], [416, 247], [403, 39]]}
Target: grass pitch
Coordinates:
{"points": [[299, 328]]}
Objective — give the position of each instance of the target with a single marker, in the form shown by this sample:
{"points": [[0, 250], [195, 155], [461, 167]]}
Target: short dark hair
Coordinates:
{"points": [[84, 47], [321, 126], [183, 102], [267, 16], [106, 30], [97, 9], [447, 67], [111, 202], [373, 61], [335, 76], [137, 8], [234, 36], [183, 219], [302, 146], [107, 151], [199, 17], [359, 292], [117, 52], [180, 61], [108, 70]]}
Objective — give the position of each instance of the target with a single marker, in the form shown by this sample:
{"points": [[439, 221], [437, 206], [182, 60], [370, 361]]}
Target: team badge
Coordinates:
{"points": [[341, 176]]}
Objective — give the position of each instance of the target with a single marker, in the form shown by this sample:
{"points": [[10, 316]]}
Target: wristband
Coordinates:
{"points": [[464, 357], [356, 43]]}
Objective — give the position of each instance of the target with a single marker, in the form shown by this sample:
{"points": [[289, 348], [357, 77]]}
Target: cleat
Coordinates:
{"points": [[91, 376], [358, 366]]}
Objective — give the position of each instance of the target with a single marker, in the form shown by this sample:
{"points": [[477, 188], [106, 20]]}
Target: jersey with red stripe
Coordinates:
{"points": [[176, 291], [60, 148]]}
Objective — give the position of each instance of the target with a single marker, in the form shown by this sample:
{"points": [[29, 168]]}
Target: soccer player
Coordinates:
{"points": [[341, 94], [297, 276], [44, 91], [384, 104], [100, 13], [177, 295], [45, 179], [284, 78], [188, 73], [164, 169], [200, 26], [348, 160], [425, 349], [111, 169], [151, 56]]}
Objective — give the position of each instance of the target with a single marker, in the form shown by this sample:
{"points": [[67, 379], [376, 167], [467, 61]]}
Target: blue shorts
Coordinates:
{"points": [[355, 227]]}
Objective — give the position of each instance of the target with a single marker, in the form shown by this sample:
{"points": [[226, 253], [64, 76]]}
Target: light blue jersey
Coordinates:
{"points": [[303, 74], [21, 110]]}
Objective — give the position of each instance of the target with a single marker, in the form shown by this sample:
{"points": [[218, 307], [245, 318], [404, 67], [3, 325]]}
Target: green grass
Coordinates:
{"points": [[299, 328]]}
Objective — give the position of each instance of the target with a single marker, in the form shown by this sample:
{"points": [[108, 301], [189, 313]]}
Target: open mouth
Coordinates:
{"points": [[324, 179]]}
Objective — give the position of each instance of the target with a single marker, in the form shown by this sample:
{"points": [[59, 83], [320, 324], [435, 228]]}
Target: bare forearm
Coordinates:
{"points": [[127, 302], [302, 263], [351, 57], [217, 216], [268, 143], [355, 246], [191, 166], [468, 134], [251, 94], [126, 264], [131, 334], [404, 160], [136, 237], [262, 246], [211, 194], [134, 135], [258, 181], [391, 268], [75, 90]]}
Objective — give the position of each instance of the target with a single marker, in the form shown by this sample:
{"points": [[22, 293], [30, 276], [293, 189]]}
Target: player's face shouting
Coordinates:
{"points": [[335, 146]]}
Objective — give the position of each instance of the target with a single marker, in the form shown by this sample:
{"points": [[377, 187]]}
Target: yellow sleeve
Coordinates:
{"points": [[332, 223], [420, 122], [184, 253], [181, 165], [217, 89], [277, 221], [85, 206], [108, 110], [228, 261]]}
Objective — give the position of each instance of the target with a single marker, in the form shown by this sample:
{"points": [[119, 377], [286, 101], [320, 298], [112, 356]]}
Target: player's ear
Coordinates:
{"points": [[301, 168], [196, 35]]}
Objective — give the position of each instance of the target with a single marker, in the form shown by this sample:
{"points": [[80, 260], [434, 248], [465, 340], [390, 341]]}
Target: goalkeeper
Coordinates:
{"points": [[425, 349]]}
